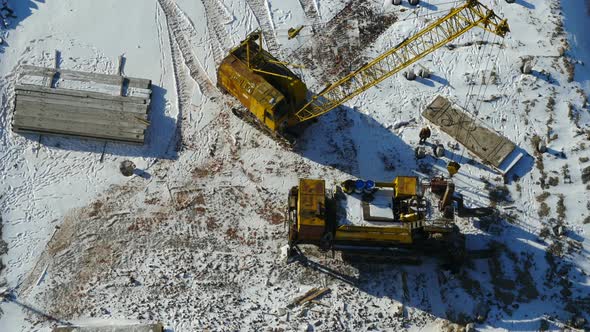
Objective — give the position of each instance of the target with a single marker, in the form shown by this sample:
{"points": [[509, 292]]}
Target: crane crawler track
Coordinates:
{"points": [[247, 116]]}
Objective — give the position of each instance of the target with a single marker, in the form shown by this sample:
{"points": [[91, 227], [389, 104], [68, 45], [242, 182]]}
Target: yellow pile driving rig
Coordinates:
{"points": [[277, 100], [403, 214]]}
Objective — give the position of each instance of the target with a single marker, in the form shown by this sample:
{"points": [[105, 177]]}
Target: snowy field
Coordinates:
{"points": [[198, 242]]}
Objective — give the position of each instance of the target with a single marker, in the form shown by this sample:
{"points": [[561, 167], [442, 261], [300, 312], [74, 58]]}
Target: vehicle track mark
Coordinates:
{"points": [[219, 36], [310, 10], [179, 27], [260, 10]]}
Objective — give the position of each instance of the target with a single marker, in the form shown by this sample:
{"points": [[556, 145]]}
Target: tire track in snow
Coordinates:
{"points": [[183, 92], [219, 36], [180, 28], [182, 85], [161, 44], [311, 11], [262, 14]]}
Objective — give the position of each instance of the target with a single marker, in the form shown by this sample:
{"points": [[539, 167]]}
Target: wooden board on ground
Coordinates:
{"points": [[310, 296], [483, 142], [87, 105]]}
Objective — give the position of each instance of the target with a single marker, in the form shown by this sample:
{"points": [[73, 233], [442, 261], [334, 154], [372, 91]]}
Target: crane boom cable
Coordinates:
{"points": [[469, 93], [451, 26], [486, 88], [479, 95], [479, 92]]}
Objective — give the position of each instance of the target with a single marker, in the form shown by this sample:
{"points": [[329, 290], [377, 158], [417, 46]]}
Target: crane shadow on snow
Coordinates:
{"points": [[423, 4], [12, 298], [22, 9], [507, 280], [357, 144], [525, 4], [161, 136]]}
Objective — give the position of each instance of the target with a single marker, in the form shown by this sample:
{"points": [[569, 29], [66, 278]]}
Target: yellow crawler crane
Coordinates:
{"points": [[406, 214], [277, 100]]}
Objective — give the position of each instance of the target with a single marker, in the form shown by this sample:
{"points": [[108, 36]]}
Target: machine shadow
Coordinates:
{"points": [[161, 136], [506, 281], [424, 4], [525, 4], [12, 298], [357, 144]]}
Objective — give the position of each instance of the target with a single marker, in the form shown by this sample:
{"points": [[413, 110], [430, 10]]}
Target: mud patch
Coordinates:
{"points": [[187, 198]]}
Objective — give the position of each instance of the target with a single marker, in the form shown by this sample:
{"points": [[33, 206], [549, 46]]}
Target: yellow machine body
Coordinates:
{"points": [[405, 186], [262, 84], [375, 235], [375, 218], [311, 205], [311, 218]]}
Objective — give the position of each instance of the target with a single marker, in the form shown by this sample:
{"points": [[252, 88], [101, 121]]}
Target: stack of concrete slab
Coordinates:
{"points": [[493, 148], [112, 328], [87, 105]]}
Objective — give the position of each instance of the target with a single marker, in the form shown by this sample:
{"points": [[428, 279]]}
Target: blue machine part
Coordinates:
{"points": [[369, 186], [359, 185]]}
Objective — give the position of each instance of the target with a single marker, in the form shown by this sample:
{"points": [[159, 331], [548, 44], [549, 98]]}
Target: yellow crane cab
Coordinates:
{"points": [[262, 84]]}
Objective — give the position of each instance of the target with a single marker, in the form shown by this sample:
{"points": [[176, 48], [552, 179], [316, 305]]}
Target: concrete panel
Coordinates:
{"points": [[79, 111], [112, 328], [83, 76], [485, 143]]}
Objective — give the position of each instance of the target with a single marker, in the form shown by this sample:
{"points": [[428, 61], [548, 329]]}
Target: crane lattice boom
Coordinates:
{"points": [[454, 24]]}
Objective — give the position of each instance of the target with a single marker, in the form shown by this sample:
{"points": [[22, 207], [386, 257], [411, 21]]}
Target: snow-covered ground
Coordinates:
{"points": [[198, 242]]}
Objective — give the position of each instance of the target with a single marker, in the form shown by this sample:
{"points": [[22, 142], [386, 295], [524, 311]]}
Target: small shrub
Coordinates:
{"points": [[543, 196], [553, 181], [550, 104], [535, 140], [499, 194], [556, 249], [570, 68], [586, 175], [544, 210], [545, 232], [561, 208]]}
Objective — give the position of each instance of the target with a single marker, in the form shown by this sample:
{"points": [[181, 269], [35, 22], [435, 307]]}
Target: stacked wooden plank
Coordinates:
{"points": [[88, 105]]}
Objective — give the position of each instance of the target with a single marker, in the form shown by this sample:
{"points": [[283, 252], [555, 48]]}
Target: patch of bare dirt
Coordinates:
{"points": [[336, 47]]}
